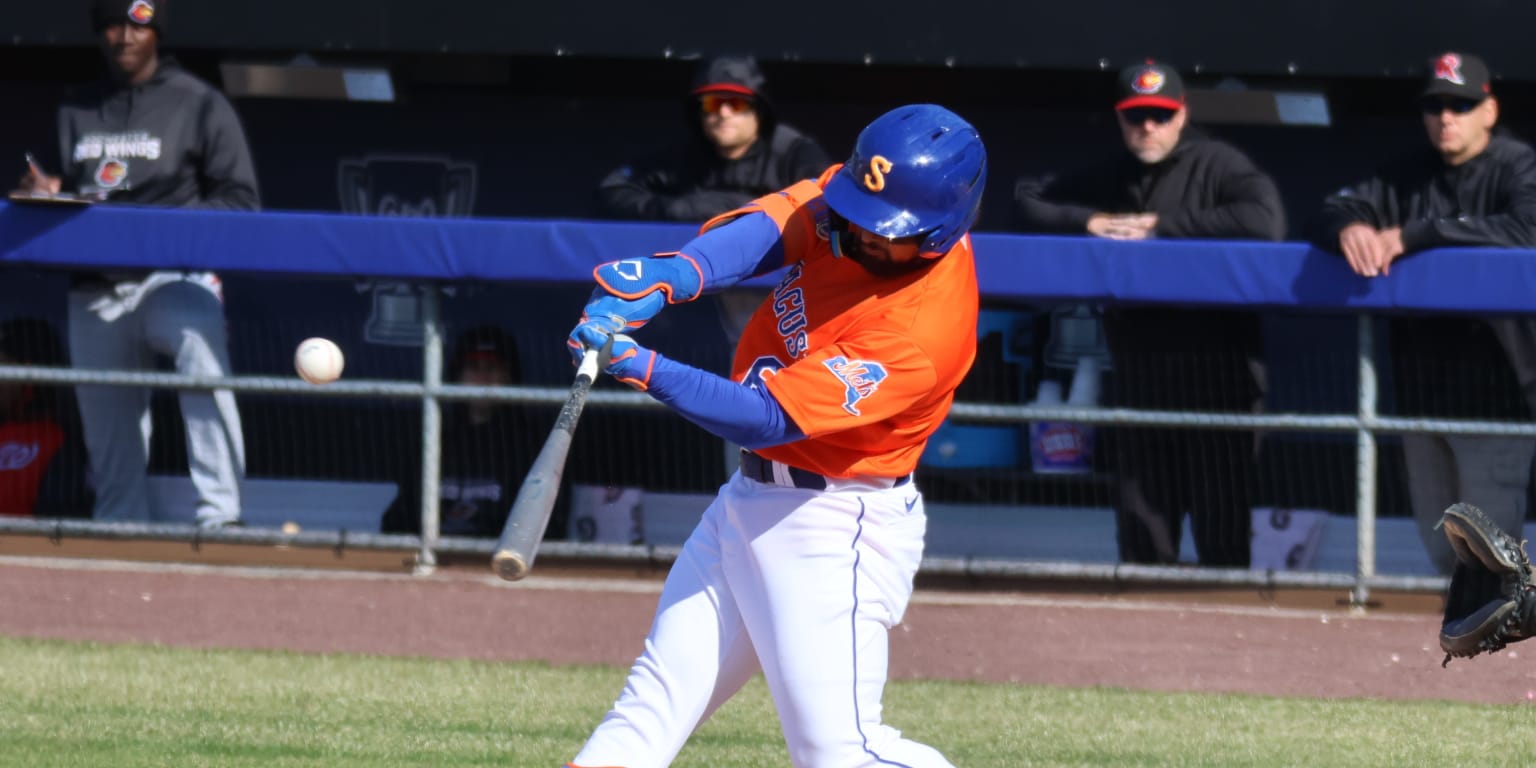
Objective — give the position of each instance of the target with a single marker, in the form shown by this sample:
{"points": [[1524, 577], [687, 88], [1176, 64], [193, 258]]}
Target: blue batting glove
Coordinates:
{"points": [[606, 314], [591, 333], [631, 363], [627, 313]]}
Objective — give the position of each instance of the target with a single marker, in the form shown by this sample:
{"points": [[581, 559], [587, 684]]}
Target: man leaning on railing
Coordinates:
{"points": [[1471, 187]]}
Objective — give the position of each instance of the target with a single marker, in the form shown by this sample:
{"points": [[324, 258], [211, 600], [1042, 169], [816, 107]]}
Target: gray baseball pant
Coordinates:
{"points": [[124, 326], [1492, 473]]}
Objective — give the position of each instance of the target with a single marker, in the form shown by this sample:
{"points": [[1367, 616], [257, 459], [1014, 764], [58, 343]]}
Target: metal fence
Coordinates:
{"points": [[431, 392]]}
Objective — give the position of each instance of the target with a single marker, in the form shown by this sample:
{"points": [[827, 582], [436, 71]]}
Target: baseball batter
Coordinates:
{"points": [[805, 560]]}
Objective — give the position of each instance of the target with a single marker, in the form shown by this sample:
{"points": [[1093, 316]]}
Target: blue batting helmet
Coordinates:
{"points": [[916, 170]]}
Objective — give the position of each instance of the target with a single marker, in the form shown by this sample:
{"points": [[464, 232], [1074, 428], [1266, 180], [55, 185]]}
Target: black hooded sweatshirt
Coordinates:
{"points": [[1171, 357], [1203, 189], [691, 182], [172, 141]]}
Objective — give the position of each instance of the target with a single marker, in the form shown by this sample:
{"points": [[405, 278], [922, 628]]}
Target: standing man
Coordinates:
{"points": [[805, 560], [152, 134], [1172, 183], [1471, 186]]}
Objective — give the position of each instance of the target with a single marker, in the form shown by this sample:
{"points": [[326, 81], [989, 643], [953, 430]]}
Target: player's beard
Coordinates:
{"points": [[876, 266]]}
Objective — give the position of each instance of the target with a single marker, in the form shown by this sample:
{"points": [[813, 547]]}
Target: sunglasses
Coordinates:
{"points": [[1457, 106], [711, 104], [1140, 115]]}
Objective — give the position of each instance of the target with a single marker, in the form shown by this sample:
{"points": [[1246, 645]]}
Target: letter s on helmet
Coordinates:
{"points": [[916, 170]]}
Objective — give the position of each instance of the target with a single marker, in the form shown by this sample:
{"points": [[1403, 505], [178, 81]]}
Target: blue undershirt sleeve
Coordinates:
{"points": [[745, 415], [747, 246]]}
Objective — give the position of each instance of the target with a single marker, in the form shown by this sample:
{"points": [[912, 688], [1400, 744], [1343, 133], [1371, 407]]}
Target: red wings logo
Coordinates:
{"points": [[1448, 68], [1148, 82], [111, 173], [142, 12]]}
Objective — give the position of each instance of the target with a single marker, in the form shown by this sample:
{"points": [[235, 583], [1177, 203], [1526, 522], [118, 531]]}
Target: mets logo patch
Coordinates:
{"points": [[860, 379], [822, 215]]}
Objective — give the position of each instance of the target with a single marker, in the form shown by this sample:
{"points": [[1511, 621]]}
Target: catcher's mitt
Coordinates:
{"points": [[1492, 601]]}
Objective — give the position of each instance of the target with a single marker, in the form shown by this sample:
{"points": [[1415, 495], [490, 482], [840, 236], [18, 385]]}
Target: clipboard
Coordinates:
{"points": [[49, 198]]}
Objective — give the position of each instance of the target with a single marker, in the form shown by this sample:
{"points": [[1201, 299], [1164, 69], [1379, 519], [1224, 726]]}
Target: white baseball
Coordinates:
{"points": [[318, 361]]}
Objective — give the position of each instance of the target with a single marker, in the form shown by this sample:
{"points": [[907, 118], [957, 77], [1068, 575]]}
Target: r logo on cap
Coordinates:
{"points": [[1448, 68], [878, 167]]}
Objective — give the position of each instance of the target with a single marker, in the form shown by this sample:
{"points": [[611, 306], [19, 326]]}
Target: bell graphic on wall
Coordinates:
{"points": [[395, 318], [1076, 333]]}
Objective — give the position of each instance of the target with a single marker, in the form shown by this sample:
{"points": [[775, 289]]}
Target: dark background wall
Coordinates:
{"points": [[543, 99], [541, 103], [542, 130], [1309, 37]]}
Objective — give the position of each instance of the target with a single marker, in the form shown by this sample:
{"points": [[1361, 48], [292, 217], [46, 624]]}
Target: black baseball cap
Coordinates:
{"points": [[146, 13], [729, 74], [1460, 75], [1150, 85]]}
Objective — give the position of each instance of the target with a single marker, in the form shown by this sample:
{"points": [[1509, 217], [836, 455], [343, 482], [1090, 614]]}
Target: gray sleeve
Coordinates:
{"points": [[69, 174], [228, 174]]}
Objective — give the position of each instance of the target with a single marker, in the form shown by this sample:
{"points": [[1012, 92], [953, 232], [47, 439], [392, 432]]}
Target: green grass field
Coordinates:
{"points": [[72, 705]]}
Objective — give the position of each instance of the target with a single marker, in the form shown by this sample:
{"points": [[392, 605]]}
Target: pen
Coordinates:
{"points": [[36, 169]]}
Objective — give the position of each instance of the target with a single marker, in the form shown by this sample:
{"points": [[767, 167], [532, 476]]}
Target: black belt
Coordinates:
{"points": [[761, 470]]}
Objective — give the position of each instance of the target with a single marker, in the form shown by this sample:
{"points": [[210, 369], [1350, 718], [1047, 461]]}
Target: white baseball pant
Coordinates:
{"points": [[123, 326], [801, 584]]}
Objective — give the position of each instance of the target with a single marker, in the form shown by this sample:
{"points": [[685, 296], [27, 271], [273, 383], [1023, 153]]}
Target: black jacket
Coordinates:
{"points": [[1454, 366], [1488, 200], [1203, 189], [693, 183], [1171, 357], [689, 181], [171, 141]]}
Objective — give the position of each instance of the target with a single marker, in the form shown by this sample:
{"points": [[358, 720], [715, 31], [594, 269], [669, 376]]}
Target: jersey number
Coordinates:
{"points": [[767, 364]]}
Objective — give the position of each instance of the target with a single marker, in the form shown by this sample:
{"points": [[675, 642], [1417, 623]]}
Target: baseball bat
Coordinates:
{"points": [[525, 525]]}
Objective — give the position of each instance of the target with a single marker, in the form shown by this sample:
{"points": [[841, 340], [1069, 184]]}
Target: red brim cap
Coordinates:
{"points": [[1150, 101], [723, 87]]}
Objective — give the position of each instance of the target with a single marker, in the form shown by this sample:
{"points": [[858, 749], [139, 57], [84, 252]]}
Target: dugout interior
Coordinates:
{"points": [[539, 132]]}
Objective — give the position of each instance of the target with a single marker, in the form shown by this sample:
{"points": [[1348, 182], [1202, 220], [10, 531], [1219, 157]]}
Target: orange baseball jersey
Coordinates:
{"points": [[866, 366]]}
